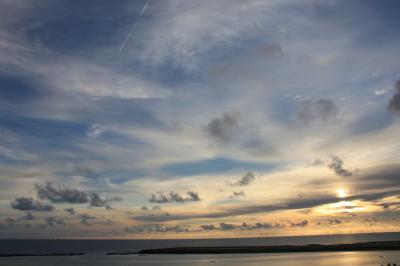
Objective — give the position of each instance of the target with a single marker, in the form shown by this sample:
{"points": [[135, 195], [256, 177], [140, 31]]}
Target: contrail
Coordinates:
{"points": [[134, 25]]}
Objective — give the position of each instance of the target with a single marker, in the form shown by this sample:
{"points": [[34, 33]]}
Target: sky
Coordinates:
{"points": [[197, 119]]}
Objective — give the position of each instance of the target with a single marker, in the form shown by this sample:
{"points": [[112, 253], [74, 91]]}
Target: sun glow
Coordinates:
{"points": [[341, 193]]}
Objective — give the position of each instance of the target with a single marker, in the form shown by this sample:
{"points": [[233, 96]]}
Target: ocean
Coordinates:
{"points": [[96, 251]]}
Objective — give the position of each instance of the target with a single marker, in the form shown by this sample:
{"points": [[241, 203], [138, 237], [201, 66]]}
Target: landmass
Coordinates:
{"points": [[42, 254], [367, 246]]}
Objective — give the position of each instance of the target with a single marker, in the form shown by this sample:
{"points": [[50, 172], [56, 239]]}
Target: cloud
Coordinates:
{"points": [[337, 166], [27, 217], [95, 130], [70, 211], [68, 195], [394, 103], [29, 204], [61, 195], [97, 201], [155, 229], [237, 194], [243, 226], [52, 221], [186, 34], [299, 224], [246, 180], [392, 205], [174, 197], [323, 110], [86, 218], [292, 204], [223, 128]]}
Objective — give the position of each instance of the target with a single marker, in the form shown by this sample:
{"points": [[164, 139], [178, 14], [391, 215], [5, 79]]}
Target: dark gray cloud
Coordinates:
{"points": [[29, 204], [155, 228], [61, 195], [72, 195], [323, 110], [13, 221], [86, 218], [28, 217], [242, 226], [394, 103], [223, 128], [52, 221], [299, 224], [381, 177], [70, 211], [97, 201], [392, 205], [236, 194], [246, 180], [334, 221], [337, 166], [174, 197]]}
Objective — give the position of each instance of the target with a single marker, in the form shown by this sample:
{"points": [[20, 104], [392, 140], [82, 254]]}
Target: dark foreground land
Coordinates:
{"points": [[369, 246], [41, 254]]}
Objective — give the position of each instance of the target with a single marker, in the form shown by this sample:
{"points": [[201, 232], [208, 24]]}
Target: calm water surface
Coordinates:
{"points": [[282, 259]]}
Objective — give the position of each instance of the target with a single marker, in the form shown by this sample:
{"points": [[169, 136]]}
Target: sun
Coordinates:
{"points": [[341, 193]]}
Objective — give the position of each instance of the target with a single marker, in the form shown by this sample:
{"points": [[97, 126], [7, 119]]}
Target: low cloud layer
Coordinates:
{"points": [[243, 226], [174, 197], [29, 204], [155, 229], [337, 166]]}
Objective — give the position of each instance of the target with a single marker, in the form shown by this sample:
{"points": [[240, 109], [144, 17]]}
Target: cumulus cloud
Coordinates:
{"points": [[97, 201], [394, 103], [29, 204], [323, 110], [61, 195], [223, 128], [174, 197], [246, 180], [95, 130], [52, 221], [68, 195], [337, 166]]}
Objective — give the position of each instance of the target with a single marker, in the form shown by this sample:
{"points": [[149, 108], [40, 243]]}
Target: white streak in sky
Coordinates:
{"points": [[134, 25]]}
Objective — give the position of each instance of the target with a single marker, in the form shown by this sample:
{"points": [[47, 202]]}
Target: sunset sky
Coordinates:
{"points": [[195, 119]]}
